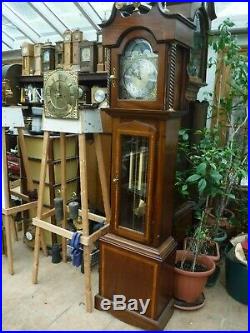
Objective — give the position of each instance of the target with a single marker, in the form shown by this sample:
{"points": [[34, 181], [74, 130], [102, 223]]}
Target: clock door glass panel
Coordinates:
{"points": [[138, 72], [134, 181]]}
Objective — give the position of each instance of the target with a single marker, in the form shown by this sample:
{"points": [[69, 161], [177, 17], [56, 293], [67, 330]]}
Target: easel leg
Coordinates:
{"points": [[36, 256], [87, 279], [43, 244], [9, 244], [85, 221], [102, 176], [38, 238], [63, 190], [13, 228]]}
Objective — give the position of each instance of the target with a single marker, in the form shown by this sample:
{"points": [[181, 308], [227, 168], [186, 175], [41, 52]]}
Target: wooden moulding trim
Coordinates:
{"points": [[21, 208], [85, 240], [159, 254], [159, 114]]}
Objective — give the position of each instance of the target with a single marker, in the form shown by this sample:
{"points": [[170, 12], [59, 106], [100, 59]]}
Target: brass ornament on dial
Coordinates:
{"points": [[61, 94]]}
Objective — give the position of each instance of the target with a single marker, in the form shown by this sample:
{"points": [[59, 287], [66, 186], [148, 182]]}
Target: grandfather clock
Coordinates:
{"points": [[148, 48]]}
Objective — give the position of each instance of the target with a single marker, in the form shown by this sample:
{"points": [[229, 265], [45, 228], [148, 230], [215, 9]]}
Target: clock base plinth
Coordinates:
{"points": [[138, 320], [137, 271]]}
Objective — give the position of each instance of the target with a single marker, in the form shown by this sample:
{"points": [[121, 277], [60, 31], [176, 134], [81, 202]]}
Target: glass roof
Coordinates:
{"points": [[40, 21]]}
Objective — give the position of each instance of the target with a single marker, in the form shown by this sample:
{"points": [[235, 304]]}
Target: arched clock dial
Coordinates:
{"points": [[61, 94], [139, 71]]}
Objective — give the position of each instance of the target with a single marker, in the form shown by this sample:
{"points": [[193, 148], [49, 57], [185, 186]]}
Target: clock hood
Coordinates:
{"points": [[175, 21]]}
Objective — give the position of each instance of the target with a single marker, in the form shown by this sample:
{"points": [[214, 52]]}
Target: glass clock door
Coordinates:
{"points": [[133, 186]]}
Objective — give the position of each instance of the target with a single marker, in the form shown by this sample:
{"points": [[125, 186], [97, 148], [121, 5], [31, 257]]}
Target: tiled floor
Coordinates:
{"points": [[56, 302]]}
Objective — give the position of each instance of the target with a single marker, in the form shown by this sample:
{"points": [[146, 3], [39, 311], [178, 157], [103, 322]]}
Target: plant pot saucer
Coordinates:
{"points": [[182, 305]]}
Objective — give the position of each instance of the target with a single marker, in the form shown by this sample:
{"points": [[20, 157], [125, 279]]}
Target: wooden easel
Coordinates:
{"points": [[86, 239], [12, 117]]}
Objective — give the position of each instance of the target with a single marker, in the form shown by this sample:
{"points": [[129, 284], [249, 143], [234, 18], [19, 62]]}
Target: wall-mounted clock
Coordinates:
{"points": [[27, 59], [77, 37], [88, 56], [59, 55], [61, 94], [48, 57], [67, 39]]}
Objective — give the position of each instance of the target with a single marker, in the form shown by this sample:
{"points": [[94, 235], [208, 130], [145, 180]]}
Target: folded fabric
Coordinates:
{"points": [[76, 251]]}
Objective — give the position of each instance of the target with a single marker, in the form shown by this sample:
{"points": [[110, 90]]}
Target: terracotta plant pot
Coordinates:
{"points": [[215, 257], [190, 285]]}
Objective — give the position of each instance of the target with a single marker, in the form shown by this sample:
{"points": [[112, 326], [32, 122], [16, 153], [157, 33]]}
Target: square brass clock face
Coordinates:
{"points": [[61, 94]]}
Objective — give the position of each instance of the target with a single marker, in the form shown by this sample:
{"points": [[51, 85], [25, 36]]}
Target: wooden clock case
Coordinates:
{"points": [[141, 264]]}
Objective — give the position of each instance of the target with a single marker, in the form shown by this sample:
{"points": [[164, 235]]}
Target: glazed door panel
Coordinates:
{"points": [[132, 182]]}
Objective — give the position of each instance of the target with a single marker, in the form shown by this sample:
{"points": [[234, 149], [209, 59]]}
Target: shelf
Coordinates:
{"points": [[32, 104], [83, 77], [31, 79]]}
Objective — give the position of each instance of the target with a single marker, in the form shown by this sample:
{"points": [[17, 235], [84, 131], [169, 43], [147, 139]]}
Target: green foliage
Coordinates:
{"points": [[218, 162]]}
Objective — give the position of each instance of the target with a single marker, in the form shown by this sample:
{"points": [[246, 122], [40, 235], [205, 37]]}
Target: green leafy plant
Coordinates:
{"points": [[232, 108]]}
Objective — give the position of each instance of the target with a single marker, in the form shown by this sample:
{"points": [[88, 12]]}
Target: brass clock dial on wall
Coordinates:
{"points": [[61, 94]]}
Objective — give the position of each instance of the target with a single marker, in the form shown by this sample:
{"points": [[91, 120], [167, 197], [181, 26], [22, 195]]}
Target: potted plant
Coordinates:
{"points": [[192, 271], [201, 181], [231, 112]]}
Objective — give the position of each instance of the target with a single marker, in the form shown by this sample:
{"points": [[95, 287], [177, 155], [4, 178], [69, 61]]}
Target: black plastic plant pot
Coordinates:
{"points": [[236, 277]]}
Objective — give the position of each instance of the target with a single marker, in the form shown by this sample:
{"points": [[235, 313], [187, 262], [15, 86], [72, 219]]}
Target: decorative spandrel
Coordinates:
{"points": [[134, 182], [138, 71]]}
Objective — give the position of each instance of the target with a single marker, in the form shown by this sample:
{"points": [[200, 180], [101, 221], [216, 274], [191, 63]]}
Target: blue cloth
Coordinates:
{"points": [[76, 251]]}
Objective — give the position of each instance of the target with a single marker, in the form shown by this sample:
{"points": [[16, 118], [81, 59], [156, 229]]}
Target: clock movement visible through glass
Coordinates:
{"points": [[134, 178], [138, 71]]}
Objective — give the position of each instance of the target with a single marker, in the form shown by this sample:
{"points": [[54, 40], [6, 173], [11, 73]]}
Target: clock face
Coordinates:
{"points": [[46, 56], [85, 54], [138, 71], [99, 95], [61, 94], [25, 51], [67, 37]]}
